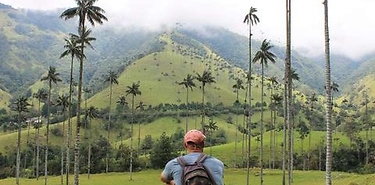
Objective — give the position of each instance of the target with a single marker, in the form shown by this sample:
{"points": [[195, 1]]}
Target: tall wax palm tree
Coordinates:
{"points": [[237, 86], [294, 76], [328, 96], [91, 113], [366, 124], [205, 78], [141, 107], [188, 83], [73, 50], [85, 10], [63, 102], [287, 94], [134, 91], [51, 77], [250, 19], [211, 127], [123, 104], [274, 83], [312, 101], [263, 56], [20, 105], [335, 88], [41, 95], [277, 104], [111, 78]]}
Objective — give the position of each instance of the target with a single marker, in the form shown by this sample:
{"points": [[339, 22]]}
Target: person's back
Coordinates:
{"points": [[194, 143]]}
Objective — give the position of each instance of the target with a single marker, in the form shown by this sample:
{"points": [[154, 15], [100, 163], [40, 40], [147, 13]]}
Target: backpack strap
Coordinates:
{"points": [[182, 162], [201, 159]]}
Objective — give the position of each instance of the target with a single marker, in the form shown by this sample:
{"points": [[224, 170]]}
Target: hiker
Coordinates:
{"points": [[194, 144]]}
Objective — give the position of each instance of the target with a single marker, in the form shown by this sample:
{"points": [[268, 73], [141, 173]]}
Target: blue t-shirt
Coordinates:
{"points": [[173, 169]]}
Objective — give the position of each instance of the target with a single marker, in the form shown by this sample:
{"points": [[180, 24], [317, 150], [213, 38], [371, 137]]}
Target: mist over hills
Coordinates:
{"points": [[33, 40]]}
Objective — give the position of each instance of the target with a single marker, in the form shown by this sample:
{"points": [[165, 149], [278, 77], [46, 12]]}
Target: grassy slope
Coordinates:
{"points": [[232, 177], [4, 100], [159, 72]]}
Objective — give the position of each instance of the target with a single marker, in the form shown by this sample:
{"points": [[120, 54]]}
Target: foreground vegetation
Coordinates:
{"points": [[232, 177]]}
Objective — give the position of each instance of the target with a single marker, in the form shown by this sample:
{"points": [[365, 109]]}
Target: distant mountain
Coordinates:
{"points": [[234, 48], [33, 40]]}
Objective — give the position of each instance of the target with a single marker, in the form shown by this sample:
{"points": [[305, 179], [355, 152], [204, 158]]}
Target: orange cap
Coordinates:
{"points": [[194, 136]]}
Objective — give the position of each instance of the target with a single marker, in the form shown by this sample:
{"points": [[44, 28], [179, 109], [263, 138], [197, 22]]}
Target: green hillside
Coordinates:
{"points": [[158, 74]]}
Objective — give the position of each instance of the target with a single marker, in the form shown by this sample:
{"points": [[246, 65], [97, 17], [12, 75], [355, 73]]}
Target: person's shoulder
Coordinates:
{"points": [[172, 162], [214, 159]]}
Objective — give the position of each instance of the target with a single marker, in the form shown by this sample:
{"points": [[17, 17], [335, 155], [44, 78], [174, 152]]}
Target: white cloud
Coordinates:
{"points": [[351, 23]]}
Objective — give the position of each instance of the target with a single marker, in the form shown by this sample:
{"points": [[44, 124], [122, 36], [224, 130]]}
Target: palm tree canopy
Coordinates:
{"points": [[251, 17], [264, 54], [63, 102], [211, 126], [21, 104], [188, 82], [85, 10], [84, 38], [273, 80], [111, 78], [294, 75], [92, 112], [141, 106], [205, 78], [313, 97], [335, 87], [72, 47], [122, 101], [238, 85], [277, 99], [41, 94], [133, 89], [52, 76]]}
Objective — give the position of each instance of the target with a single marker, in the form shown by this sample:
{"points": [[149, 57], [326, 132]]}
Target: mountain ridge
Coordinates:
{"points": [[35, 39]]}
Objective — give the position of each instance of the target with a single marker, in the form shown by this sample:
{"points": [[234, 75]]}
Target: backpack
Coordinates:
{"points": [[196, 173]]}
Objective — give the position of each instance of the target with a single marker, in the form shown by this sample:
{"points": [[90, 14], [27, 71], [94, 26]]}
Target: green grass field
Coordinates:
{"points": [[232, 177]]}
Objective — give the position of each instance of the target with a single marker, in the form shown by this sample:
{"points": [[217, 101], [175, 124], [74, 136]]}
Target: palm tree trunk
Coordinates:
{"points": [[249, 109], [236, 136], [274, 140], [187, 111], [69, 130], [203, 110], [18, 150], [78, 126], [288, 89], [62, 156], [271, 136], [38, 144], [308, 152], [131, 141], [261, 127], [328, 97], [47, 134], [27, 144], [109, 128], [89, 153]]}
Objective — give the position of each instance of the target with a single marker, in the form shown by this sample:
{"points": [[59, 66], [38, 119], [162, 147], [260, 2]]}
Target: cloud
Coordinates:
{"points": [[351, 23]]}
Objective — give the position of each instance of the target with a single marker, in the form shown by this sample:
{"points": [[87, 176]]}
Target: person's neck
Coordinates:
{"points": [[194, 151]]}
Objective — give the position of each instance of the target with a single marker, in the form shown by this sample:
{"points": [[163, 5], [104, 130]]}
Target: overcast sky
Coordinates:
{"points": [[352, 25]]}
